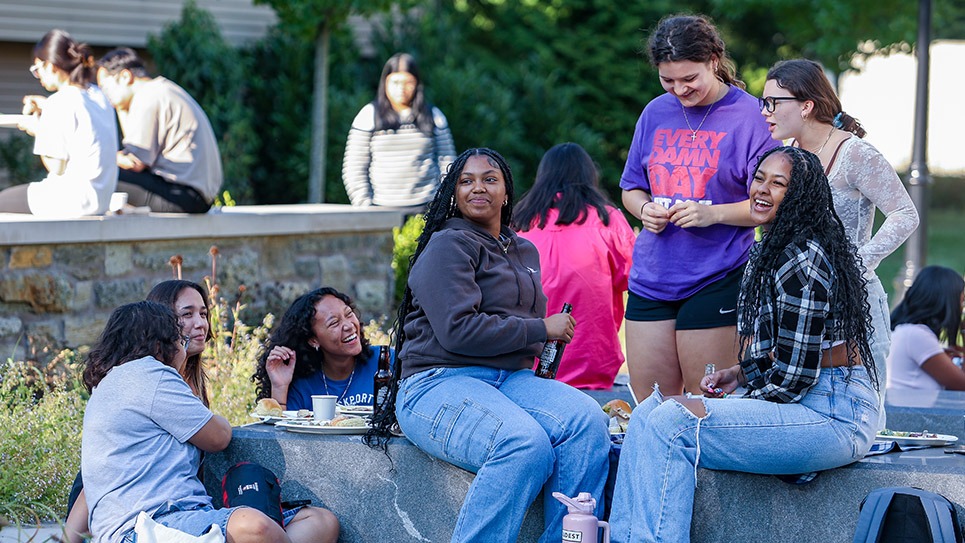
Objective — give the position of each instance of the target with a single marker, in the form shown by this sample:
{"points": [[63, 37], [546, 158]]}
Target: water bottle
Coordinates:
{"points": [[580, 526]]}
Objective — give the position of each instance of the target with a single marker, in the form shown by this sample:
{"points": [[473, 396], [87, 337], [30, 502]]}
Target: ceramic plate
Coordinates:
{"points": [[308, 428], [286, 416], [940, 440]]}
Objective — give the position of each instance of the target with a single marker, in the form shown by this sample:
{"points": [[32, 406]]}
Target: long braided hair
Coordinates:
{"points": [[807, 214], [442, 208]]}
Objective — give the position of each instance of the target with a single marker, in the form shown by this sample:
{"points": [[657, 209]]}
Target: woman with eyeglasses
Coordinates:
{"points": [[687, 177], [800, 105], [399, 145], [75, 135]]}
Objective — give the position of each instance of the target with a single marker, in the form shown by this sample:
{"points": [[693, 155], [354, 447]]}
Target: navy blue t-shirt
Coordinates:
{"points": [[359, 391]]}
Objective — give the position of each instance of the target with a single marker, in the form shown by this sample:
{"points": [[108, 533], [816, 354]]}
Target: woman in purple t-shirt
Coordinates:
{"points": [[687, 176]]}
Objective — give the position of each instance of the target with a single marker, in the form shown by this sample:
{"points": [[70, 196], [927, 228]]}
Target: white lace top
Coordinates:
{"points": [[861, 180]]}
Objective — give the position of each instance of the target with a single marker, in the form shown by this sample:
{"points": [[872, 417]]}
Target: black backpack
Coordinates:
{"points": [[907, 515], [254, 485]]}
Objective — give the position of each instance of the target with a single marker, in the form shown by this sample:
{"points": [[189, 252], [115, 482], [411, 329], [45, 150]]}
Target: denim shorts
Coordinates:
{"points": [[195, 522]]}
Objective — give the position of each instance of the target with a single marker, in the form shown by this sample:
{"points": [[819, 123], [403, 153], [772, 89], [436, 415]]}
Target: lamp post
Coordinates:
{"points": [[919, 180]]}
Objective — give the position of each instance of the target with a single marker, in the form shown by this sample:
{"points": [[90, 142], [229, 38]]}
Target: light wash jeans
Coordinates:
{"points": [[518, 433], [880, 341], [833, 425]]}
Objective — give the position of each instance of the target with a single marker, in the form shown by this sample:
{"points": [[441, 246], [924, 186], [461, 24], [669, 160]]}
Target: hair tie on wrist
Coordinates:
{"points": [[836, 122]]}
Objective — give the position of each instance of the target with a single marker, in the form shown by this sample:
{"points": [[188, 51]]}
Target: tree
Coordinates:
{"points": [[315, 20]]}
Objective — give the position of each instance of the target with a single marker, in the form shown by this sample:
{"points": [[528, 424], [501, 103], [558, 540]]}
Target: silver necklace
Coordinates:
{"points": [[347, 385], [504, 242], [826, 140], [693, 132]]}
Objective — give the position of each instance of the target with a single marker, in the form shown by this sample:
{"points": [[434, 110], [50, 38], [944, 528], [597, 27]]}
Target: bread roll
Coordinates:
{"points": [[268, 407]]}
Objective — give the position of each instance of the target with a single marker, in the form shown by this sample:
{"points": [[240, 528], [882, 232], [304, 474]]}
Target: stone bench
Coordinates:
{"points": [[414, 497], [940, 412]]}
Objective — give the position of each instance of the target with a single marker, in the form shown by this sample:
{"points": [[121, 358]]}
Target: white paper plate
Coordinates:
{"points": [[940, 440], [307, 428], [364, 410], [286, 416], [11, 120]]}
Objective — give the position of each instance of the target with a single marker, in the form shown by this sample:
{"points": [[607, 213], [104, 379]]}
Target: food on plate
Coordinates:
{"points": [[618, 409], [268, 407], [893, 433], [347, 421], [304, 413]]}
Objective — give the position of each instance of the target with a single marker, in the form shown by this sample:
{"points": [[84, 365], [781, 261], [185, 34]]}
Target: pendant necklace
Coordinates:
{"points": [[693, 131], [347, 385], [504, 242]]}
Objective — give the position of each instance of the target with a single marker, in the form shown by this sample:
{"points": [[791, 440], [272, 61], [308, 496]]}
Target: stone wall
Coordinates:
{"points": [[59, 280]]}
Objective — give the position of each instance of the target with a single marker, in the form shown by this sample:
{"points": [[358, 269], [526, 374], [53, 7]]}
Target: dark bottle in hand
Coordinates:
{"points": [[383, 380], [549, 359]]}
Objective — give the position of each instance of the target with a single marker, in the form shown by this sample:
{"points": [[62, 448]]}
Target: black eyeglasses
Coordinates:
{"points": [[770, 102]]}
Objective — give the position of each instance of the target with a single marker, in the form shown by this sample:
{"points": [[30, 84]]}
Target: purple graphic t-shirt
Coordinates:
{"points": [[715, 167]]}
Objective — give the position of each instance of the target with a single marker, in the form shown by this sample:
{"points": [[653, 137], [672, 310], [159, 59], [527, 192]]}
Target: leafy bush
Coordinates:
{"points": [[231, 357], [405, 239], [39, 439], [19, 161]]}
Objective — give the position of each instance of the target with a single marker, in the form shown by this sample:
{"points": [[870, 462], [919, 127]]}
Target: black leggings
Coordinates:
{"points": [[14, 199], [159, 194]]}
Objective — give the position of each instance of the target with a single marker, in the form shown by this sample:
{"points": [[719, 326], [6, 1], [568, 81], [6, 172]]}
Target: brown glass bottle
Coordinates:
{"points": [[549, 359], [383, 380]]}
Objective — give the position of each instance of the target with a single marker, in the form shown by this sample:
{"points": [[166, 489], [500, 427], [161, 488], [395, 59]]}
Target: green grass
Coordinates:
{"points": [[945, 247]]}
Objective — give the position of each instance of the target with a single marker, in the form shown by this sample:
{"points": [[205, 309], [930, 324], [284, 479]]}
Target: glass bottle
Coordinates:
{"points": [[383, 380], [549, 359]]}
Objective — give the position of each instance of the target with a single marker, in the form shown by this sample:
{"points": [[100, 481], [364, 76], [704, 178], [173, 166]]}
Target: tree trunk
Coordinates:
{"points": [[316, 176]]}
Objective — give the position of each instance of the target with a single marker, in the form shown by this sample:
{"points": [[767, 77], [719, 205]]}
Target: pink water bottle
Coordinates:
{"points": [[580, 526]]}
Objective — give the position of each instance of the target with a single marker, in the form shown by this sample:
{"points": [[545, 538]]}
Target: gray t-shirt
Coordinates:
{"points": [[167, 130], [135, 454]]}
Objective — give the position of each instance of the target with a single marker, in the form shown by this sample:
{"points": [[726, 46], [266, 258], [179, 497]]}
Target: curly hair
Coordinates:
{"points": [[442, 208], [133, 331], [566, 171], [807, 214], [294, 331], [167, 292], [693, 38]]}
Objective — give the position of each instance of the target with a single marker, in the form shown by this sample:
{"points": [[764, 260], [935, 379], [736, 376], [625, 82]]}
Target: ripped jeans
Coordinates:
{"points": [[833, 425]]}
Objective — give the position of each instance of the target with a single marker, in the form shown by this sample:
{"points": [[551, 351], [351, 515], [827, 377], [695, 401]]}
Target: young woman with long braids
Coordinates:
{"points": [[799, 103], [686, 178], [318, 347], [472, 319], [399, 144], [75, 135], [811, 402], [585, 245]]}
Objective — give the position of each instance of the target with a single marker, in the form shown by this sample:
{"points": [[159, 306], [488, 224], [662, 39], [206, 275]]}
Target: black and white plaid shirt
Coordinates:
{"points": [[785, 354]]}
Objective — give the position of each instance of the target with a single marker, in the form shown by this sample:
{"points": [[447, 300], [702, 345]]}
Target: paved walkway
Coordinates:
{"points": [[11, 534]]}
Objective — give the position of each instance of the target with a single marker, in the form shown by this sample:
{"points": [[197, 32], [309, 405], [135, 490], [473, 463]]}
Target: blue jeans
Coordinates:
{"points": [[833, 425], [195, 521], [518, 433], [880, 342]]}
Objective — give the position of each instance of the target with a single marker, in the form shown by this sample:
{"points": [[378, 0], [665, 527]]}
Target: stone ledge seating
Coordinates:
{"points": [[419, 500]]}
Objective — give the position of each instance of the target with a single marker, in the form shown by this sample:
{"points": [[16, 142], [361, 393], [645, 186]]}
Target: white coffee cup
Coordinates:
{"points": [[323, 407], [118, 201]]}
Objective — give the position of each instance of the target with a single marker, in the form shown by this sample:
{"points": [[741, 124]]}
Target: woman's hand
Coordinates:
{"points": [[280, 366], [721, 382], [654, 217], [691, 214], [560, 326], [33, 104]]}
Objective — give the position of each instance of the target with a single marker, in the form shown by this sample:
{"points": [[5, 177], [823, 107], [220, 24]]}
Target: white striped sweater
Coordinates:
{"points": [[399, 167]]}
